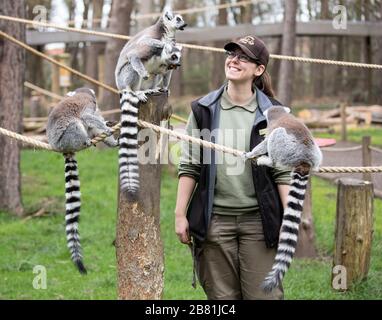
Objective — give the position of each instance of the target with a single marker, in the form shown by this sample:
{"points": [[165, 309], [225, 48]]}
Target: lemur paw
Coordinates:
{"points": [[141, 96]]}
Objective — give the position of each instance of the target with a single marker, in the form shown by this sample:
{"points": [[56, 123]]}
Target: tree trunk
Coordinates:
{"points": [[218, 74], [93, 49], [139, 245], [12, 68], [120, 24], [285, 85], [354, 228]]}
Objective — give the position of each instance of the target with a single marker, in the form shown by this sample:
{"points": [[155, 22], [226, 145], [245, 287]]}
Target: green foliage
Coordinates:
{"points": [[41, 240]]}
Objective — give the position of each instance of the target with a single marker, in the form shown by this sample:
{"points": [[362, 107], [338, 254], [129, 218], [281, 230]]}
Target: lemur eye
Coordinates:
{"points": [[178, 19], [174, 56]]}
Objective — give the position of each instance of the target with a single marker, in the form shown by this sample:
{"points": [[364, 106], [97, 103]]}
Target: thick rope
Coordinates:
{"points": [[203, 143], [205, 48], [24, 139]]}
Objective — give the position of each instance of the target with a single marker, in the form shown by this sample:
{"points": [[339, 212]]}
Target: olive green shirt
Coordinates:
{"points": [[234, 188]]}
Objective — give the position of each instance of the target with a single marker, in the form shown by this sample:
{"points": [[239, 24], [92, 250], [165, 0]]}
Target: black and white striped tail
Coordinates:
{"points": [[73, 206], [128, 145], [288, 232]]}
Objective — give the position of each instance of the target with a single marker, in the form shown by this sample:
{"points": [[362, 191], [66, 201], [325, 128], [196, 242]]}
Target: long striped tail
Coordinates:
{"points": [[289, 228], [73, 206], [128, 145]]}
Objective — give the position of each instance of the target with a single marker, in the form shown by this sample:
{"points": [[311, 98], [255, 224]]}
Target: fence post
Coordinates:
{"points": [[366, 156], [354, 229], [139, 247]]}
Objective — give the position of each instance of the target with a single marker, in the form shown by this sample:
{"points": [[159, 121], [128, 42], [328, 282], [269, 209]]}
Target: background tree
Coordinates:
{"points": [[12, 68], [286, 73], [120, 24], [93, 50], [218, 74]]}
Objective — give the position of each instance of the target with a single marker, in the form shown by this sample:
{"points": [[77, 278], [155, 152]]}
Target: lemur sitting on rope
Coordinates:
{"points": [[288, 144], [152, 53], [71, 126]]}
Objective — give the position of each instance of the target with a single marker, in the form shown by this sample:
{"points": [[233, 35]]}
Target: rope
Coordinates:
{"points": [[375, 149], [329, 149], [34, 51], [43, 91], [197, 47], [30, 141], [55, 62], [350, 169], [183, 12], [195, 10], [183, 137]]}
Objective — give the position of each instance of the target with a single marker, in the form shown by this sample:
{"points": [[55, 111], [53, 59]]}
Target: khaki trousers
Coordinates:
{"points": [[233, 260]]}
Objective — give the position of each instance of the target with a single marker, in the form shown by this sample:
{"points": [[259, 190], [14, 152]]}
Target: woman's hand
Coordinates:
{"points": [[181, 228]]}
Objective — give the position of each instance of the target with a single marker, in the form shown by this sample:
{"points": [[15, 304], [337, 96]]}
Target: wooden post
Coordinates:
{"points": [[366, 156], [35, 105], [139, 246], [344, 136], [56, 79], [306, 239], [354, 229]]}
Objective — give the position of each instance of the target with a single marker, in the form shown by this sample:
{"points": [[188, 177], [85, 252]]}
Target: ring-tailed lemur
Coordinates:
{"points": [[137, 53], [289, 144], [128, 141], [71, 126], [151, 52]]}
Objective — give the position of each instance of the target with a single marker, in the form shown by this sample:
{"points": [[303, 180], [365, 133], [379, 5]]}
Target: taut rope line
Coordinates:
{"points": [[190, 46], [61, 65], [184, 137]]}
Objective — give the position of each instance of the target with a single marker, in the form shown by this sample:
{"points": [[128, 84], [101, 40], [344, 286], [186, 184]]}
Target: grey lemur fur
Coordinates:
{"points": [[131, 67], [290, 145], [71, 126]]}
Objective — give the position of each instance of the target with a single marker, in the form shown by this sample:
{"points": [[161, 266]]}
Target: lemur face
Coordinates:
{"points": [[174, 22], [172, 55]]}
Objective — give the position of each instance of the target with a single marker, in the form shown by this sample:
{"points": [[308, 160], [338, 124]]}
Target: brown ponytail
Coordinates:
{"points": [[264, 83]]}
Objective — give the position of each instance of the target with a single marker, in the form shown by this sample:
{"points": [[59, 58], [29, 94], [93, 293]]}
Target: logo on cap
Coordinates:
{"points": [[248, 40]]}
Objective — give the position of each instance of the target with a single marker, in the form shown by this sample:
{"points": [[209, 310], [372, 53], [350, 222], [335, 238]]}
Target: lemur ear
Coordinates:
{"points": [[179, 47], [266, 113], [71, 93], [168, 15], [287, 110]]}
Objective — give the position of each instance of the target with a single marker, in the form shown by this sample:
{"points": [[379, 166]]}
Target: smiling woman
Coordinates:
{"points": [[230, 211]]}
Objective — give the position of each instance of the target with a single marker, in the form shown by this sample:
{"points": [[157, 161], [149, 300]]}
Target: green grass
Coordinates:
{"points": [[355, 135], [41, 241]]}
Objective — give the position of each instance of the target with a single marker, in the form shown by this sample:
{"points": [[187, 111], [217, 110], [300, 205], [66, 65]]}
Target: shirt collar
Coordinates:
{"points": [[227, 104]]}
